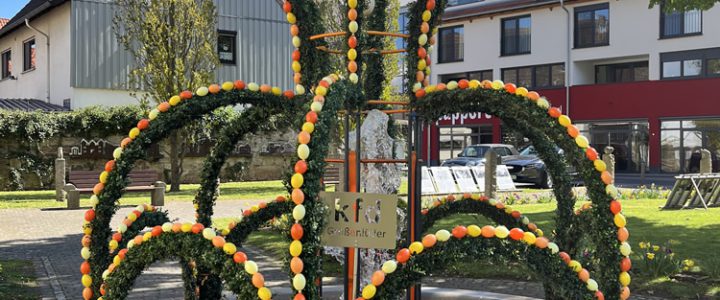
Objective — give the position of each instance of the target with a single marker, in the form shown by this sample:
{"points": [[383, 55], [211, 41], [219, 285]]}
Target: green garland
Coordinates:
{"points": [[414, 14], [147, 219], [188, 247], [550, 268], [161, 128], [374, 63], [518, 111], [251, 223]]}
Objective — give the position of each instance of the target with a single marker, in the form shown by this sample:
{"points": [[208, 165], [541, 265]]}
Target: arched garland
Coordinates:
{"points": [[113, 180], [476, 204], [505, 100], [191, 242]]}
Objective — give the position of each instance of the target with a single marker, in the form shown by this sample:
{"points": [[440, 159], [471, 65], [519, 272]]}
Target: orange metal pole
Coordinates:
{"points": [[329, 34], [413, 202], [334, 160], [383, 102], [352, 187], [383, 161], [383, 33]]}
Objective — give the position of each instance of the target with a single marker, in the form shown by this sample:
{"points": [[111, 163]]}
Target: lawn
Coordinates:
{"points": [[259, 190], [17, 280], [691, 234]]}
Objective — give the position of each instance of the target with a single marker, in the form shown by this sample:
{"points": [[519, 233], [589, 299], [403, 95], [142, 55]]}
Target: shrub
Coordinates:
{"points": [[658, 260]]}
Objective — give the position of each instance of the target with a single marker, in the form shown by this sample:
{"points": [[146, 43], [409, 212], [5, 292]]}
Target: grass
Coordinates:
{"points": [[252, 190], [17, 280]]}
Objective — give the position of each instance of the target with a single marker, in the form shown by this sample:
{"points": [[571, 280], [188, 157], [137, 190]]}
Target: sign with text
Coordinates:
{"points": [[360, 220]]}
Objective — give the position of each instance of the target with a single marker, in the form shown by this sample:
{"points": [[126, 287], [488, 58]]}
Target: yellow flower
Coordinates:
{"points": [[689, 263], [651, 256], [656, 248], [642, 245]]}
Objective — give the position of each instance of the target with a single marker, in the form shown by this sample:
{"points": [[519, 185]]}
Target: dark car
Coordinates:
{"points": [[475, 155], [529, 168]]}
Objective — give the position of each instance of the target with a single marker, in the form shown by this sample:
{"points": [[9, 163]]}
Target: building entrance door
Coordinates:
{"points": [[630, 140]]}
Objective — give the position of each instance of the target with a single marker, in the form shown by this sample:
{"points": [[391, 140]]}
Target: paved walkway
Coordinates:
{"points": [[51, 240]]}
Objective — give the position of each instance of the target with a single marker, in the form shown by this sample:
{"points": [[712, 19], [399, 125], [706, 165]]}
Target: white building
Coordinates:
{"points": [[64, 53], [633, 77]]}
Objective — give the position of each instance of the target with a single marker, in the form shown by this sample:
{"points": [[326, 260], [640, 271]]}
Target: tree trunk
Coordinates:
{"points": [[175, 162]]}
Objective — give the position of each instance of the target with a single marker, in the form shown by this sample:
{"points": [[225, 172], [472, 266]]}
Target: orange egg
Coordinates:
{"points": [[98, 188], [420, 93], [378, 278], [459, 232], [265, 88], [541, 242], [311, 117], [352, 67], [419, 76], [488, 231], [517, 234], [303, 137], [565, 257], [510, 88], [625, 264], [606, 177], [239, 84], [441, 87], [463, 84], [296, 231], [296, 54], [403, 255], [296, 265], [239, 257], [85, 241], [163, 107], [289, 94], [138, 240], [623, 234], [554, 112], [584, 275], [186, 95], [143, 124], [352, 42], [218, 241], [287, 7], [430, 5], [573, 131], [300, 167], [214, 89], [429, 240], [262, 205], [197, 228], [615, 206], [156, 231], [87, 293], [299, 296], [352, 14], [258, 280], [297, 78], [298, 197], [425, 27], [176, 227], [110, 165], [294, 30], [532, 95], [422, 53]]}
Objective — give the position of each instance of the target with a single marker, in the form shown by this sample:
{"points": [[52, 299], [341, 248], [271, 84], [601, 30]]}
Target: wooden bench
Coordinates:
{"points": [[332, 176], [82, 182]]}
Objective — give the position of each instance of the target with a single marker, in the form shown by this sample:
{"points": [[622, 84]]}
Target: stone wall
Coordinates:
{"points": [[258, 157]]}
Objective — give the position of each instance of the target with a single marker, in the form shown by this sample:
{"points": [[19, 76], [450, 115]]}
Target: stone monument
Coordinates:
{"points": [[60, 176], [609, 158], [491, 162], [705, 161]]}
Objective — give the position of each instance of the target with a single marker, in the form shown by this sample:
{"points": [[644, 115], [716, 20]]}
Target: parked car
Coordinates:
{"points": [[527, 167], [474, 155]]}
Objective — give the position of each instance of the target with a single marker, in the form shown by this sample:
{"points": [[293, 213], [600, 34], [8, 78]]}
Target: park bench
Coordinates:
{"points": [[82, 182], [332, 176]]}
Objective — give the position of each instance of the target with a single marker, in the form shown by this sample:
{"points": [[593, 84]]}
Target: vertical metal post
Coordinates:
{"points": [[414, 193], [358, 169], [347, 292]]}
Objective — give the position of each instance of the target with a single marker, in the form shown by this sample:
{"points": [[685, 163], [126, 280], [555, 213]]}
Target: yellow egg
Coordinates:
{"points": [[620, 221], [174, 100], [117, 260], [295, 248], [422, 39], [442, 235], [291, 18], [186, 227], [416, 248], [276, 91], [296, 42], [389, 266], [202, 91], [117, 153], [354, 77], [352, 3], [86, 280], [299, 89], [264, 293], [316, 107], [600, 165], [575, 266], [309, 127], [229, 248], [543, 103], [296, 66], [253, 87], [422, 64], [153, 114], [132, 217], [426, 16], [297, 180], [582, 141], [592, 285], [521, 91], [351, 54], [501, 232], [474, 84], [624, 279], [625, 249], [226, 86], [251, 267], [321, 91], [113, 244], [146, 236], [369, 291], [498, 84], [303, 151], [529, 238], [564, 121], [167, 227], [474, 230], [353, 26], [85, 253], [103, 177], [299, 282], [299, 212]]}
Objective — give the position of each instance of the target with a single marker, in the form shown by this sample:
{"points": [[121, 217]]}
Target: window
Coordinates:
{"points": [[515, 36], [592, 26], [226, 46], [680, 23], [713, 67], [451, 44], [6, 70], [690, 64], [29, 55], [540, 76], [625, 72], [475, 75], [681, 140]]}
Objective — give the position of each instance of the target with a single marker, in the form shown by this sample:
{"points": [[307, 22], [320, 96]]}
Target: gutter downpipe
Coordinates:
{"points": [[568, 66], [47, 43]]}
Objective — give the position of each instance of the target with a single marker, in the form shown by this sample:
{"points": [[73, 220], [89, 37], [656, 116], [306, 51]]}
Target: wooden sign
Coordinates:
{"points": [[360, 220]]}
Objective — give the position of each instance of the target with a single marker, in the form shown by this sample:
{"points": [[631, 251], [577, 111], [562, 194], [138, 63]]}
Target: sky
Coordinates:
{"points": [[8, 8]]}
